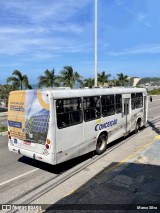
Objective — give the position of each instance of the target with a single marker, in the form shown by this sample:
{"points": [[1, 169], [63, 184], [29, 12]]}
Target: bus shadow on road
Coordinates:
{"points": [[62, 167], [155, 125], [56, 169], [120, 188]]}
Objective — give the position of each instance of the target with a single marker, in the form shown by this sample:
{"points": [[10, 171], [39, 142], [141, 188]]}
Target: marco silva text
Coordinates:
{"points": [[147, 207]]}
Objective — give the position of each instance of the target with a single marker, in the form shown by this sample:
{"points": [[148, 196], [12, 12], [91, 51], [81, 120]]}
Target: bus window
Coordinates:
{"points": [[133, 100], [108, 105], [69, 112], [139, 100], [118, 99], [91, 106]]}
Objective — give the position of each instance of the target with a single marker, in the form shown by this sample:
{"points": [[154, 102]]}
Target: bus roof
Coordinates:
{"points": [[72, 93], [57, 94]]}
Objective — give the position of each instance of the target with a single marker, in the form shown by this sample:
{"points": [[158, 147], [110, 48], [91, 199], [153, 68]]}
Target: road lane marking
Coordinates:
{"points": [[133, 154], [156, 100], [27, 173], [153, 108], [153, 100], [71, 192]]}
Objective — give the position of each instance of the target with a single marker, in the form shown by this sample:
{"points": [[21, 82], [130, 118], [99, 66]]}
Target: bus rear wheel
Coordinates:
{"points": [[101, 144]]}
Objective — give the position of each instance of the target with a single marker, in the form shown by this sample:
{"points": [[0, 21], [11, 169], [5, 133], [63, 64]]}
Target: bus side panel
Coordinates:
{"points": [[92, 129], [117, 130], [90, 137], [68, 142]]}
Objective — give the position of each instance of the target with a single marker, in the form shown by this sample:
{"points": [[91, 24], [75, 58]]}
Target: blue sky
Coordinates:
{"points": [[36, 35]]}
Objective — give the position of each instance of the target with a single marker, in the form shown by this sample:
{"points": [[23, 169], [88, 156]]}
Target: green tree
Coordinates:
{"points": [[89, 82], [4, 92], [122, 79], [114, 82], [49, 79], [19, 80], [68, 77], [103, 78]]}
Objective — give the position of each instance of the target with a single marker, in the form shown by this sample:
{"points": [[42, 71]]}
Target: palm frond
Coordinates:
{"points": [[18, 74], [25, 81]]}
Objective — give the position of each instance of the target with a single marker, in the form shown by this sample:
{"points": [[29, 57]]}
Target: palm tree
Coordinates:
{"points": [[49, 79], [89, 82], [122, 78], [68, 77], [19, 80], [103, 78]]}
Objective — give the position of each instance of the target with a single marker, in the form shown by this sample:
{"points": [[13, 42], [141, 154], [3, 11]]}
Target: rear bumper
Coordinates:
{"points": [[44, 158]]}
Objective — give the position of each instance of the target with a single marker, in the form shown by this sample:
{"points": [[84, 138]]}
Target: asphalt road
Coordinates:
{"points": [[154, 108], [3, 120], [24, 180]]}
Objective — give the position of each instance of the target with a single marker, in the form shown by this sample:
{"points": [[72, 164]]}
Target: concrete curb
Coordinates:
{"points": [[3, 133]]}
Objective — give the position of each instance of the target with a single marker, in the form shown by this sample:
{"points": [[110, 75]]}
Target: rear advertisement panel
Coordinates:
{"points": [[28, 117]]}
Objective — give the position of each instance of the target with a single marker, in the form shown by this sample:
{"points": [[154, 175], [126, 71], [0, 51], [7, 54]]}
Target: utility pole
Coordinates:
{"points": [[95, 45]]}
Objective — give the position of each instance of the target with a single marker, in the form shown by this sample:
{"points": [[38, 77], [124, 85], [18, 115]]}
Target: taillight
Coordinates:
{"points": [[47, 146], [48, 141]]}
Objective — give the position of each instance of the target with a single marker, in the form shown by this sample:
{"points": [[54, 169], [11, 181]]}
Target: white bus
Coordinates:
{"points": [[54, 126]]}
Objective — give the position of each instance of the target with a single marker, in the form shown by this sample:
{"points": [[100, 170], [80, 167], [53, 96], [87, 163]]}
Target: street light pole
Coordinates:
{"points": [[95, 46]]}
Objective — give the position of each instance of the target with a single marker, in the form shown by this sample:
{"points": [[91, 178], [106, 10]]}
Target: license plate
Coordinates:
{"points": [[15, 140]]}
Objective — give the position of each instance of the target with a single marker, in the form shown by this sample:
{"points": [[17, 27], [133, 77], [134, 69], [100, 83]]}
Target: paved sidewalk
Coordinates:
{"points": [[135, 182]]}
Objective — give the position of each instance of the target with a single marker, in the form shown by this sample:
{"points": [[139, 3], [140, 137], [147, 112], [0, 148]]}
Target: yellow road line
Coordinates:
{"points": [[71, 192], [133, 154]]}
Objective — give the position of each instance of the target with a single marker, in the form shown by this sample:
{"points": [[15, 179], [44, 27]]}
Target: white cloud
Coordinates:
{"points": [[139, 13], [20, 30], [120, 2], [43, 26], [38, 10], [140, 16], [10, 65], [141, 49]]}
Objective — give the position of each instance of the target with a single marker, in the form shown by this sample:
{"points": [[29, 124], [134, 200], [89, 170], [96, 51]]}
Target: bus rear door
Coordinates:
{"points": [[145, 109], [127, 114]]}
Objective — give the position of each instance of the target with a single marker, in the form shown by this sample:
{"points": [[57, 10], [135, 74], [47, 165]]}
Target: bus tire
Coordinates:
{"points": [[137, 128], [101, 144]]}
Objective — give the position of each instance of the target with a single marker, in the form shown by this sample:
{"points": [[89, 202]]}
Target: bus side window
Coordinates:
{"points": [[108, 105], [60, 106], [133, 101], [139, 100], [91, 107], [69, 112], [118, 99], [76, 117], [62, 120]]}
